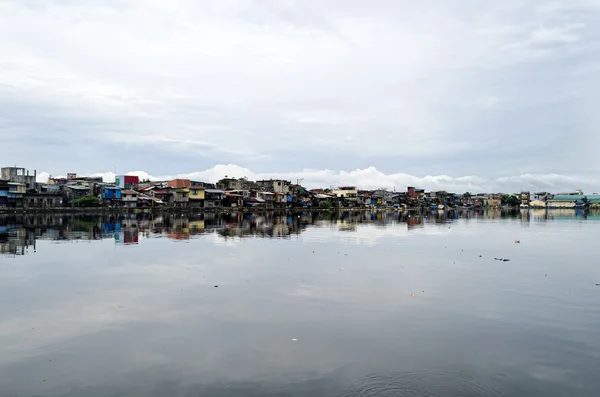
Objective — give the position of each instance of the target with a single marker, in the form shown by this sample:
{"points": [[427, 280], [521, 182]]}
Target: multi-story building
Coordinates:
{"points": [[129, 182], [347, 193], [129, 198], [196, 196], [525, 198], [19, 175]]}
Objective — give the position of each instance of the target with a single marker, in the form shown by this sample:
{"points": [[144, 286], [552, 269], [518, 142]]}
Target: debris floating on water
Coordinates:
{"points": [[216, 286], [517, 241]]}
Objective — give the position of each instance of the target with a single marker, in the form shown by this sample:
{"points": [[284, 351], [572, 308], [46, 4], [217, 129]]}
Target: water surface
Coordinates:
{"points": [[346, 304]]}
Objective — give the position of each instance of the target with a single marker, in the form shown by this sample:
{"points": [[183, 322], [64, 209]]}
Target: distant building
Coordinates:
{"points": [[112, 194], [414, 194], [196, 196], [129, 182], [20, 175], [129, 198], [347, 193], [525, 198], [213, 198], [275, 185], [572, 200], [179, 183]]}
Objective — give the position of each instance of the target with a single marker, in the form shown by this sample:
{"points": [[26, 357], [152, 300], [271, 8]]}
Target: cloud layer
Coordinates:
{"points": [[458, 88], [371, 178]]}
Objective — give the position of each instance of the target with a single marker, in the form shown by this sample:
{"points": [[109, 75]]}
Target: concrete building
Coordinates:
{"points": [[275, 186], [20, 175], [346, 193], [196, 196], [525, 197], [129, 198], [129, 182]]}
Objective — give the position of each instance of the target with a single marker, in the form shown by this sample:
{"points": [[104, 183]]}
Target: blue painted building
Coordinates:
{"points": [[111, 193]]}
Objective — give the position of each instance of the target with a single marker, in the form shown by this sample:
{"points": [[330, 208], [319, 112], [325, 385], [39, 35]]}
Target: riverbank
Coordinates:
{"points": [[221, 210]]}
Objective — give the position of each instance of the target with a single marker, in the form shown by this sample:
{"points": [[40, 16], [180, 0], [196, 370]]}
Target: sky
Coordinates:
{"points": [[473, 95]]}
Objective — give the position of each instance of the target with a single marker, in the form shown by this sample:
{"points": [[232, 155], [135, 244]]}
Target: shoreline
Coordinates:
{"points": [[105, 210]]}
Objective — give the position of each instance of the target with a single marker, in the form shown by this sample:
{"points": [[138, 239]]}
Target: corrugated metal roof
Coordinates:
{"points": [[592, 198]]}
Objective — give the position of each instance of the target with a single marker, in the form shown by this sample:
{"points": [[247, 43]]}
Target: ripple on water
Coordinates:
{"points": [[425, 383]]}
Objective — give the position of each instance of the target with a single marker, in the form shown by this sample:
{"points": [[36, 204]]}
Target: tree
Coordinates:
{"points": [[513, 200], [87, 201]]}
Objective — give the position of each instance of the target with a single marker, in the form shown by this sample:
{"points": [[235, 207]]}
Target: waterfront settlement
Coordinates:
{"points": [[20, 190]]}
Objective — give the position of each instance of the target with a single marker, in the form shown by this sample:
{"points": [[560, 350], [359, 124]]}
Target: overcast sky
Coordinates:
{"points": [[452, 94]]}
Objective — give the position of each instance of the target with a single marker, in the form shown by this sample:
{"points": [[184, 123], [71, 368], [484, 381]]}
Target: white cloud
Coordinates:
{"points": [[251, 81], [371, 178]]}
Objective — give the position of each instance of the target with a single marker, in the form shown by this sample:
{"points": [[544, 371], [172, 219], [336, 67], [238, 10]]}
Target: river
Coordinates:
{"points": [[474, 303]]}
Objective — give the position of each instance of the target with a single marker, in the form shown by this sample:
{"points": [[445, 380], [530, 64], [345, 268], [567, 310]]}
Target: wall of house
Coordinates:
{"points": [[196, 194], [561, 204]]}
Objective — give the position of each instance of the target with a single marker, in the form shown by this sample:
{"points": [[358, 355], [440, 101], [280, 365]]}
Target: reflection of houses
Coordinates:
{"points": [[14, 239], [128, 232], [179, 229], [196, 226]]}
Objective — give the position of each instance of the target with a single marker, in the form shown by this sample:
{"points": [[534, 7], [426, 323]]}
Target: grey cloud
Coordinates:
{"points": [[421, 88]]}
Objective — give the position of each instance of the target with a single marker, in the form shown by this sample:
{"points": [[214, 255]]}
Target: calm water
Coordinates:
{"points": [[310, 305]]}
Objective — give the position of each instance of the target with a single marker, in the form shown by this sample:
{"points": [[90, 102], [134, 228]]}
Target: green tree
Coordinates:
{"points": [[87, 201], [513, 200]]}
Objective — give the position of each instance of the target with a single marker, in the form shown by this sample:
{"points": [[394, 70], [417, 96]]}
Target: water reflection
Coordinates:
{"points": [[306, 304], [18, 234]]}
